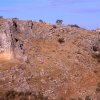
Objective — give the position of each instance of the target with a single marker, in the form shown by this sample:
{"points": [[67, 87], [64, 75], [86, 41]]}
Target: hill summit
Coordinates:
{"points": [[60, 62]]}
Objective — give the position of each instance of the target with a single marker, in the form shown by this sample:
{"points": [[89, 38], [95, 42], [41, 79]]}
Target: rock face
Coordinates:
{"points": [[10, 46], [54, 60], [5, 40]]}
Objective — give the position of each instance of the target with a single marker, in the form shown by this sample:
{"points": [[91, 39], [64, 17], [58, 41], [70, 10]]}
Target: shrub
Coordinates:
{"points": [[98, 88], [10, 94], [61, 40], [95, 48], [41, 21], [15, 18], [54, 26], [72, 99], [13, 95], [88, 98], [74, 25], [59, 21], [62, 99], [1, 16]]}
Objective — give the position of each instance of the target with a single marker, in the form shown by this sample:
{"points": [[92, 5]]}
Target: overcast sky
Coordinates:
{"points": [[85, 13]]}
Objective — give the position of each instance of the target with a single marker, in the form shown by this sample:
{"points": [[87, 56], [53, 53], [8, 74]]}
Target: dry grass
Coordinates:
{"points": [[13, 95], [58, 70], [6, 64]]}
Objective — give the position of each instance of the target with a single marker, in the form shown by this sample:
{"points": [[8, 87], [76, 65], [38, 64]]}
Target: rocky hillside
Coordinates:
{"points": [[60, 62]]}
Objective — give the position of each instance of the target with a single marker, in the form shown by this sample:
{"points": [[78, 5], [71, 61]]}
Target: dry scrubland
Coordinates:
{"points": [[40, 61]]}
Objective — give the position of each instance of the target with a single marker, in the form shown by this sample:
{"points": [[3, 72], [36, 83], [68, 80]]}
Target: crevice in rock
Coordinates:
{"points": [[30, 24], [21, 46], [16, 40], [15, 25]]}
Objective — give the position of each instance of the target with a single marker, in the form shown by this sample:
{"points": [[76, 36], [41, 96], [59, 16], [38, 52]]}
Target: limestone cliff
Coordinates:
{"points": [[10, 46], [5, 40]]}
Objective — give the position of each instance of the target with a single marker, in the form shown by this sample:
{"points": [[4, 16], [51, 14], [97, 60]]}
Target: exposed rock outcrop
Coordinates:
{"points": [[10, 46], [6, 47]]}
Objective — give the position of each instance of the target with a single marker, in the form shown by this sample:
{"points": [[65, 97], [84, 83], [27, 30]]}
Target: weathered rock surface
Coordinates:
{"points": [[55, 60]]}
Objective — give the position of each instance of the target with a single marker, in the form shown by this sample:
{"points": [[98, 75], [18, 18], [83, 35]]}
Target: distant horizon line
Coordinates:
{"points": [[38, 20]]}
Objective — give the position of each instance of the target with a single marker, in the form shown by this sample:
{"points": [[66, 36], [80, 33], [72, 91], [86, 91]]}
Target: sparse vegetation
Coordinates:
{"points": [[59, 21], [54, 26], [10, 94], [13, 95], [1, 16], [62, 99], [95, 48], [98, 88], [53, 59], [88, 98], [72, 99], [96, 51], [74, 25], [80, 98], [61, 40], [41, 21]]}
